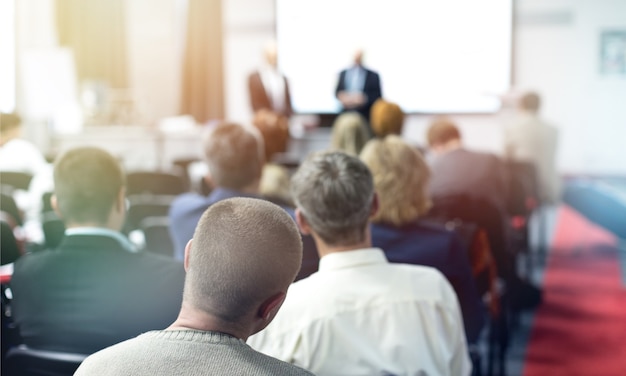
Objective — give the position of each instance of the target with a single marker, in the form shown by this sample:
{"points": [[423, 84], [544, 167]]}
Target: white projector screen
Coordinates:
{"points": [[433, 56]]}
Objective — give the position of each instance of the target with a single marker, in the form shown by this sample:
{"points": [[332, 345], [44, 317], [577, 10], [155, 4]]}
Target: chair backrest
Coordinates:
{"points": [[10, 249], [53, 229], [8, 205], [24, 361], [146, 205], [157, 235], [15, 180], [158, 183], [523, 188]]}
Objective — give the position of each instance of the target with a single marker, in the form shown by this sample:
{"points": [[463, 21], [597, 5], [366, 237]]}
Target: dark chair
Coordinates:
{"points": [[10, 249], [53, 229], [15, 180], [8, 205], [158, 183], [144, 206], [157, 235], [24, 361]]}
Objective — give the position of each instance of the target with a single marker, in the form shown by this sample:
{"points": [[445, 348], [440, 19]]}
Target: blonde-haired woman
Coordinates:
{"points": [[400, 179], [350, 133]]}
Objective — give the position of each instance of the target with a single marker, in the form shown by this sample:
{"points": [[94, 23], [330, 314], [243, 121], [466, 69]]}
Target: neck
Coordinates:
{"points": [[324, 248], [448, 147], [192, 318], [251, 189]]}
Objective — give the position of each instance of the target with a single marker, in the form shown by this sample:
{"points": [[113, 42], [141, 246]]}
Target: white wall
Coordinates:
{"points": [[556, 53]]}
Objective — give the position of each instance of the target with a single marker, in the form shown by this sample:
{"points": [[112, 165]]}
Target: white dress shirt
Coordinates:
{"points": [[361, 315], [274, 84]]}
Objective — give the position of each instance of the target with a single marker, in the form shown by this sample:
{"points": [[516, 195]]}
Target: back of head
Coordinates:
{"points": [[244, 250], [275, 184], [386, 118], [442, 130], [87, 182], [334, 192], [400, 178], [9, 127], [530, 102], [349, 133], [234, 155], [275, 131]]}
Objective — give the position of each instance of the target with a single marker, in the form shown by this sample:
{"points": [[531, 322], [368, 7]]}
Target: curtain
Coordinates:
{"points": [[202, 92], [96, 32]]}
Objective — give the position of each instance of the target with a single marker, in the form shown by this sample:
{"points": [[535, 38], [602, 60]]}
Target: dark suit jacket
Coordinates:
{"points": [[430, 244], [91, 293], [259, 98], [371, 89]]}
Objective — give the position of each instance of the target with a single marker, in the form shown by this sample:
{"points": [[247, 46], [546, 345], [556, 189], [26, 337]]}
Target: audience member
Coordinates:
{"points": [[360, 314], [458, 171], [386, 118], [268, 87], [235, 157], [94, 290], [530, 139], [400, 180], [350, 133], [244, 255], [275, 185], [17, 154], [358, 87]]}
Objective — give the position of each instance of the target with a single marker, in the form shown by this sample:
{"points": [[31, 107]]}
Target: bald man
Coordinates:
{"points": [[244, 255]]}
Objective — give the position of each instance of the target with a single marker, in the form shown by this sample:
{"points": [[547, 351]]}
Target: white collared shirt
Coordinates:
{"points": [[361, 315], [274, 84]]}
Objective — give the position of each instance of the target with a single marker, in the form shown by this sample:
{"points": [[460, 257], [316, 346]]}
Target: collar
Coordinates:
{"points": [[221, 193], [101, 231], [349, 259]]}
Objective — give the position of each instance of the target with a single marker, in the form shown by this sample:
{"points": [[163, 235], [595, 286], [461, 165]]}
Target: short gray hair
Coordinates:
{"points": [[244, 250], [334, 192]]}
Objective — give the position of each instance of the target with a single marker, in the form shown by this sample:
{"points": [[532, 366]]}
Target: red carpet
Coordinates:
{"points": [[580, 329]]}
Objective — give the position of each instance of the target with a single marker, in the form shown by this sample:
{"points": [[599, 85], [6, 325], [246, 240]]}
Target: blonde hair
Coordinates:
{"points": [[349, 133], [400, 179], [275, 183], [386, 118]]}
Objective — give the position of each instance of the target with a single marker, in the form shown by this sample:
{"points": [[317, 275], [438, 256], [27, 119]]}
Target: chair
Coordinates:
{"points": [[10, 249], [158, 183], [15, 180], [146, 205], [24, 361], [157, 235], [8, 205], [53, 229]]}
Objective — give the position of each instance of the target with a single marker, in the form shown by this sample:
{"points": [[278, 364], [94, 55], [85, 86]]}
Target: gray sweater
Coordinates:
{"points": [[184, 352]]}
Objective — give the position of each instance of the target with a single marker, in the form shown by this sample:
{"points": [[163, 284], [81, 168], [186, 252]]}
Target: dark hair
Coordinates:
{"points": [[87, 182]]}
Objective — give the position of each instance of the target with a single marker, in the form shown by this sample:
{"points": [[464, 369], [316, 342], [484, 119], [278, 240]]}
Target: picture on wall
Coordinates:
{"points": [[613, 53]]}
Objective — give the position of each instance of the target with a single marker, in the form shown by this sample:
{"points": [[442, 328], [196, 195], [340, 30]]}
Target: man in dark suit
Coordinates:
{"points": [[358, 87], [268, 87], [95, 289]]}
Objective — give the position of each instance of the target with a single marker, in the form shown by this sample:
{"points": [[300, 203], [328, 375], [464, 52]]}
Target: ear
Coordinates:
{"points": [[55, 205], [186, 257], [375, 205], [269, 308], [302, 223]]}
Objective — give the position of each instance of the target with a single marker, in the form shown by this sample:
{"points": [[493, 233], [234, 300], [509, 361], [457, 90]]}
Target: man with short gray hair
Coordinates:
{"points": [[359, 314], [244, 255]]}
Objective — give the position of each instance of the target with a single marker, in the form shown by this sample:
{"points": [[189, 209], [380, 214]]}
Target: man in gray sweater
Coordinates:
{"points": [[244, 255]]}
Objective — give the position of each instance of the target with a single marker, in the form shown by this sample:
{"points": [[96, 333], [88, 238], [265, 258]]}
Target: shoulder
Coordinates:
{"points": [[187, 202], [107, 361]]}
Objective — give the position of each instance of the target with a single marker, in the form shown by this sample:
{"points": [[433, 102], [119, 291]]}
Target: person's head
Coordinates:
{"points": [[274, 129], [10, 125], [386, 118], [275, 184], [530, 102], [400, 178], [235, 156], [270, 53], [334, 196], [442, 134], [244, 254], [89, 189], [349, 133]]}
